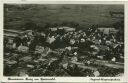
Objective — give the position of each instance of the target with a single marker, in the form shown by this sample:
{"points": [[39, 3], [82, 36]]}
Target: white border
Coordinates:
{"points": [[64, 79]]}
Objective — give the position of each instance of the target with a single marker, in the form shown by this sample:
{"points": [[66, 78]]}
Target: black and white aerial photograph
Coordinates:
{"points": [[63, 40]]}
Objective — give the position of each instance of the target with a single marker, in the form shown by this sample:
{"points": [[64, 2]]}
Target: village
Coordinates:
{"points": [[64, 51]]}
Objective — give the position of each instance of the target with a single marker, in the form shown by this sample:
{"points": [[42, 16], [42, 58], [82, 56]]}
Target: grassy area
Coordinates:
{"points": [[17, 16]]}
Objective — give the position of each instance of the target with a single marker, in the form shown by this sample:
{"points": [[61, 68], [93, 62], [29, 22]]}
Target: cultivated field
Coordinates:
{"points": [[83, 16]]}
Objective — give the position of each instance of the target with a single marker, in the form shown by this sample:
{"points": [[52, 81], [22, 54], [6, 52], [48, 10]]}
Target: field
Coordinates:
{"points": [[20, 16]]}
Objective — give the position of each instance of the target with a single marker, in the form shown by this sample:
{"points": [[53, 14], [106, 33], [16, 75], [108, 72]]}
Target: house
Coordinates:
{"points": [[108, 30], [66, 29]]}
